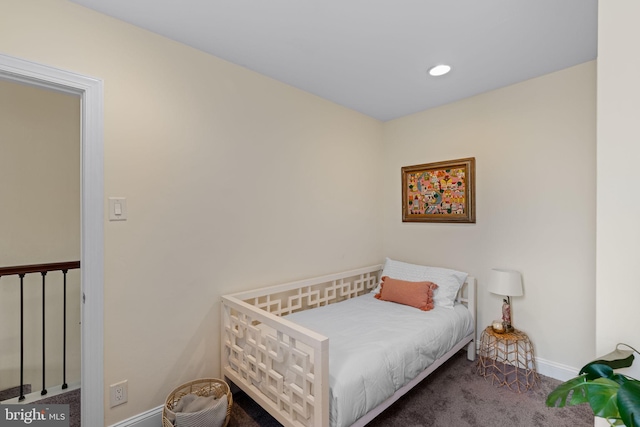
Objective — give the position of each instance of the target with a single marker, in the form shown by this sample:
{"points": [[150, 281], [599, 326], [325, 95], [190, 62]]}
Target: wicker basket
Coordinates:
{"points": [[201, 387]]}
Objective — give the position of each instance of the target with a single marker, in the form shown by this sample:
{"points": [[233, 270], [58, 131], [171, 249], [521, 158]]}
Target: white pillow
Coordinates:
{"points": [[448, 281]]}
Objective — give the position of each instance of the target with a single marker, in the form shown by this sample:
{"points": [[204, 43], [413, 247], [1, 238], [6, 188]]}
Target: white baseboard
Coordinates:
{"points": [[555, 370], [150, 418]]}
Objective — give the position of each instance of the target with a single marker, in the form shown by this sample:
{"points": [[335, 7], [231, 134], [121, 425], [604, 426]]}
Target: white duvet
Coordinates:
{"points": [[376, 347]]}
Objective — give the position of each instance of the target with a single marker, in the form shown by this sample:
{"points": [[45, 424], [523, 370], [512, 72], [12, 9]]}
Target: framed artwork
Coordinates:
{"points": [[439, 192]]}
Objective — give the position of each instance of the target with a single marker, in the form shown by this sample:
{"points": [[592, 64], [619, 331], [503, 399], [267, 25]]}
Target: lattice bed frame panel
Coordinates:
{"points": [[253, 356], [315, 295]]}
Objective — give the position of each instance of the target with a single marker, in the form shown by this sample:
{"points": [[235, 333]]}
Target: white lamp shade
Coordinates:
{"points": [[505, 282]]}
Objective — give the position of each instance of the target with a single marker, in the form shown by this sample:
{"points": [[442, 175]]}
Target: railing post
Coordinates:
{"points": [[44, 386], [64, 330], [21, 398]]}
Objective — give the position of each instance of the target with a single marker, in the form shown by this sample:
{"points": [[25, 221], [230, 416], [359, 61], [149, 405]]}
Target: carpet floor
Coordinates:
{"points": [[454, 395]]}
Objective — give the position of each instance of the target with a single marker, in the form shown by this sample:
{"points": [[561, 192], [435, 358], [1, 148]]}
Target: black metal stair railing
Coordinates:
{"points": [[21, 271]]}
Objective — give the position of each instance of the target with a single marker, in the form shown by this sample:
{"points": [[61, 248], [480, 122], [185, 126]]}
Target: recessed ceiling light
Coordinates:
{"points": [[439, 70]]}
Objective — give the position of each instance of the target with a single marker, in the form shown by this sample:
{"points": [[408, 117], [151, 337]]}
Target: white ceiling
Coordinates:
{"points": [[372, 55]]}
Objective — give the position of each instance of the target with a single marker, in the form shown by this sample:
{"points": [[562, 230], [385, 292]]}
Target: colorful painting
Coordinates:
{"points": [[439, 192]]}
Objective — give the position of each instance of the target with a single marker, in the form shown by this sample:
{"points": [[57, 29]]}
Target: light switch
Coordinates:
{"points": [[117, 209]]}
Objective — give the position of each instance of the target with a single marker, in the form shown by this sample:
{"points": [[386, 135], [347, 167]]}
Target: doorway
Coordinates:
{"points": [[90, 91], [39, 225]]}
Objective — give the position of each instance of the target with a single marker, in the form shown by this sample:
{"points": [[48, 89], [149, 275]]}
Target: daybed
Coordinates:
{"points": [[325, 351]]}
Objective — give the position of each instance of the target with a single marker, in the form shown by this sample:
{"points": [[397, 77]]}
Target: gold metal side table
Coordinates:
{"points": [[507, 359]]}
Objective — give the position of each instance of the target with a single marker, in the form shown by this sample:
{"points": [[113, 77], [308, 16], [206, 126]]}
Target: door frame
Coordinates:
{"points": [[91, 95]]}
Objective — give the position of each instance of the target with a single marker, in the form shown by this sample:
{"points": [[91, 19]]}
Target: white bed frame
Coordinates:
{"points": [[250, 355]]}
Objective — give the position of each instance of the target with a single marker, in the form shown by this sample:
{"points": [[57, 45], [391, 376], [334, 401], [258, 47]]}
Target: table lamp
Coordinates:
{"points": [[509, 284]]}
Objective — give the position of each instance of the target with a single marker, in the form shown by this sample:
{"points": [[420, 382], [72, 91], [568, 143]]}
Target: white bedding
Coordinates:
{"points": [[376, 347]]}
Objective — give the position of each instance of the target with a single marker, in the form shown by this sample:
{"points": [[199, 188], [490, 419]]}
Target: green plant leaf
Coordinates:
{"points": [[597, 370], [576, 387], [615, 364], [619, 378], [629, 402], [602, 394]]}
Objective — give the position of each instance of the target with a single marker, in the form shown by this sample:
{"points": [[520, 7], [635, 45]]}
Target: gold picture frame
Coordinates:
{"points": [[439, 192]]}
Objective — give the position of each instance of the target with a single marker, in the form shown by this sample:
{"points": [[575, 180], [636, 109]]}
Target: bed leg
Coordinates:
{"points": [[471, 351]]}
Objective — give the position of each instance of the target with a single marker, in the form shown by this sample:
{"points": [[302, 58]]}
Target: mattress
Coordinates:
{"points": [[377, 347]]}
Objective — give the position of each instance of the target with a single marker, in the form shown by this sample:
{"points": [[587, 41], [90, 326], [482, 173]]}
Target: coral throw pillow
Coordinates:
{"points": [[415, 294]]}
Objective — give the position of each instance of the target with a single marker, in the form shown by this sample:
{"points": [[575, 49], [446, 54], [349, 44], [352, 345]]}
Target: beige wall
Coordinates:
{"points": [[232, 181], [618, 292], [534, 145], [39, 223]]}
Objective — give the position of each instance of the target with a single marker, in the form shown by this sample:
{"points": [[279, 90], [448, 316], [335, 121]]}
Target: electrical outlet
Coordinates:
{"points": [[118, 393]]}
